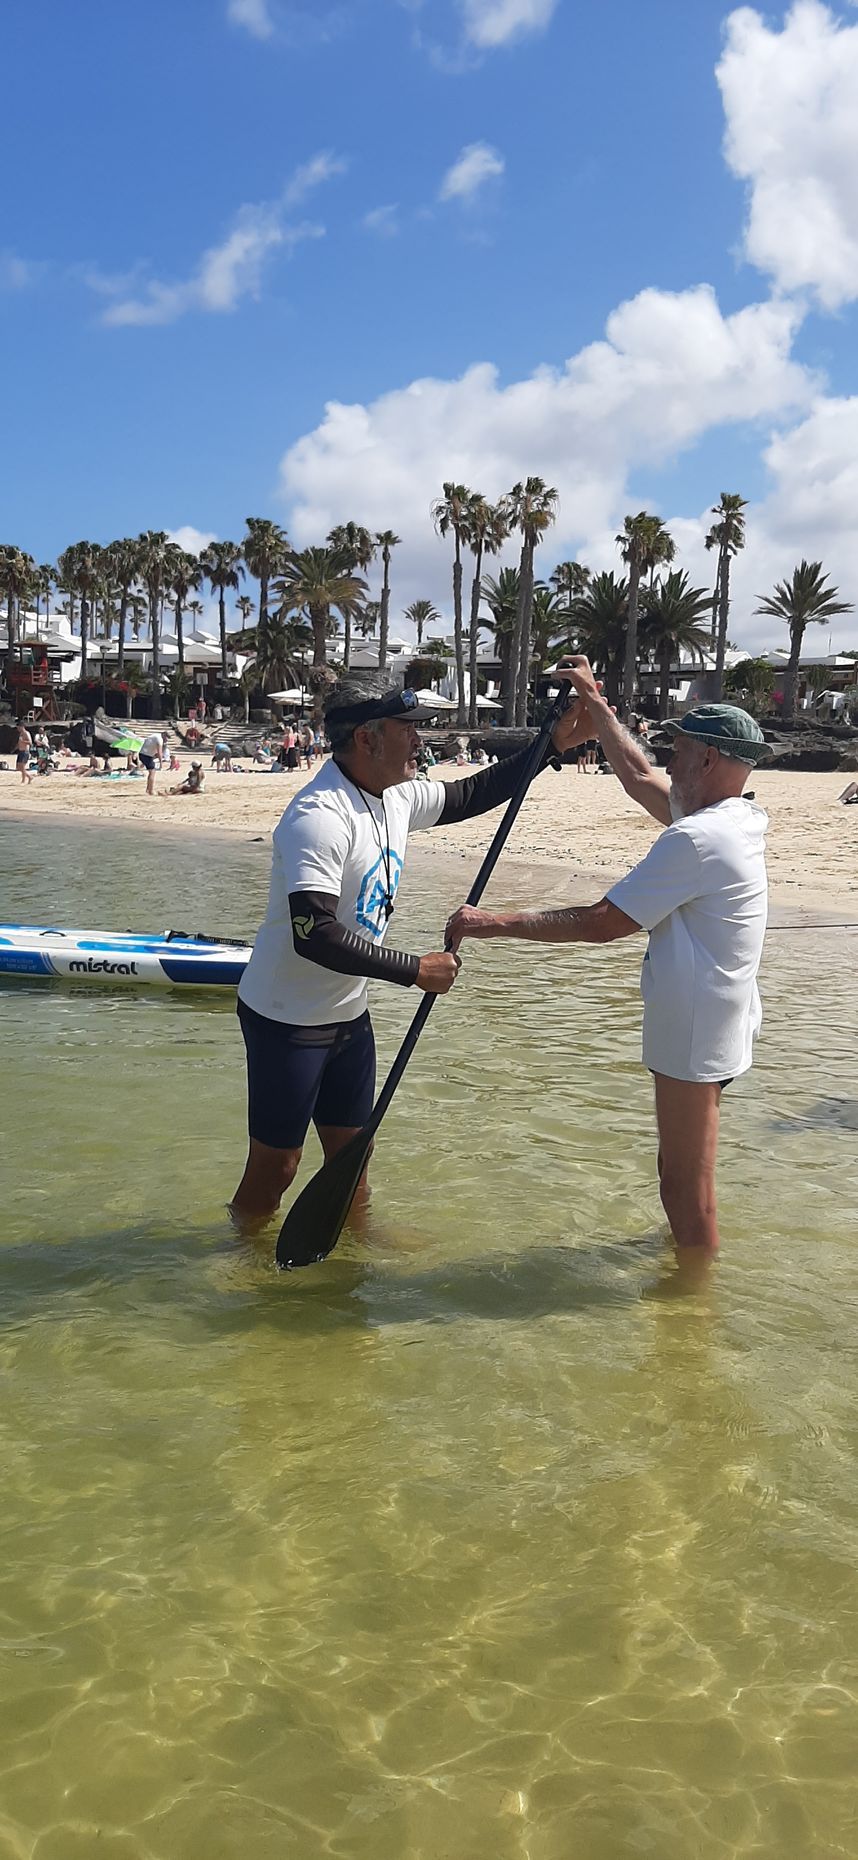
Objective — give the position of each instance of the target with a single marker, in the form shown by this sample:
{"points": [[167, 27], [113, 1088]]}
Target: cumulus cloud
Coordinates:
{"points": [[489, 23], [670, 368], [382, 221], [789, 96], [15, 273], [190, 539], [477, 164], [253, 15], [226, 272]]}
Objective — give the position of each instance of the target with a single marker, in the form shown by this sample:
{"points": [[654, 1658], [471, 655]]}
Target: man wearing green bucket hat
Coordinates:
{"points": [[700, 893]]}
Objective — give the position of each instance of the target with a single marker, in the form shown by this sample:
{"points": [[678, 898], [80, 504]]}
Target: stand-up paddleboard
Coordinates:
{"points": [[173, 960]]}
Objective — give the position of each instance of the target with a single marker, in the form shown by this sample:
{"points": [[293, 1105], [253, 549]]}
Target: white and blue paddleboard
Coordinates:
{"points": [[170, 961]]}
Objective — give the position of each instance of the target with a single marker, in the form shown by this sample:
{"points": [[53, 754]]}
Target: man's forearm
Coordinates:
{"points": [[625, 755], [583, 923]]}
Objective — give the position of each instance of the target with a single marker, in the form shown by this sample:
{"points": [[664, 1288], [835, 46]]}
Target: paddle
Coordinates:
{"points": [[316, 1219]]}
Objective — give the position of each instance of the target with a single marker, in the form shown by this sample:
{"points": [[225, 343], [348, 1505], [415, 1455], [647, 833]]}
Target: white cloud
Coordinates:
{"points": [[252, 14], [15, 273], [227, 272], [192, 540], [320, 168], [791, 102], [478, 163], [489, 23], [382, 221], [670, 368]]}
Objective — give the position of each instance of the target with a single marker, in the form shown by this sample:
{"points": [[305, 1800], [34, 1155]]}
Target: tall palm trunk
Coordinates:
{"points": [[723, 622], [120, 645], [458, 642], [11, 633], [84, 635], [524, 622], [155, 630], [716, 597], [221, 603], [631, 660], [384, 613], [347, 642], [665, 655], [796, 639], [472, 643], [180, 633]]}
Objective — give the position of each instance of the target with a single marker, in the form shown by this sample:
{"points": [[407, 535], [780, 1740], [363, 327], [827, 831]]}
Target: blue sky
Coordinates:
{"points": [[223, 215]]}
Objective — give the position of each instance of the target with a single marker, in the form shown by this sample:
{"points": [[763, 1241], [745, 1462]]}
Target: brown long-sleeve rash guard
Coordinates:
{"points": [[320, 937]]}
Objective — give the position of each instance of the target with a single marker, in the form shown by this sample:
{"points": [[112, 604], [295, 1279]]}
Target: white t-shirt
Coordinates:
{"points": [[701, 893], [152, 746], [331, 840]]}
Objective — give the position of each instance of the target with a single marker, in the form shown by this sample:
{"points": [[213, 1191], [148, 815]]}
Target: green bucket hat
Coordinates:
{"points": [[726, 727]]}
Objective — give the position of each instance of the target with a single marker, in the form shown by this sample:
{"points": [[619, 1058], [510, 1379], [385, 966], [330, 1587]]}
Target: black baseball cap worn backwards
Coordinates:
{"points": [[401, 706], [725, 727]]}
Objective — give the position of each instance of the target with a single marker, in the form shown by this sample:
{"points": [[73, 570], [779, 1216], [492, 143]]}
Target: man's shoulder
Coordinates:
{"points": [[324, 795]]}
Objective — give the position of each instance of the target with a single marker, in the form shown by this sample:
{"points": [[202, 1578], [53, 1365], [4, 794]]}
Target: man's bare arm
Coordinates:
{"points": [[649, 786], [582, 923]]}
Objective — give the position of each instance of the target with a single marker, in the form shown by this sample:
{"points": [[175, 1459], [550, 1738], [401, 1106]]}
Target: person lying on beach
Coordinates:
{"points": [[849, 797], [194, 782], [700, 892], [338, 856]]}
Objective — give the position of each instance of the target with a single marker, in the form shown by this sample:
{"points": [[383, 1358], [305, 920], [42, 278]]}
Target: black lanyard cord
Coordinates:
{"points": [[384, 850]]}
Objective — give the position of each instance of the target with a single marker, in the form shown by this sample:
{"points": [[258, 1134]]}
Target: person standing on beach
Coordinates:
{"points": [[152, 753], [23, 748], [338, 856], [701, 894]]}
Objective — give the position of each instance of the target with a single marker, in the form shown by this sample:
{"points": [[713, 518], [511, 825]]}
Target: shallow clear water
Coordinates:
{"points": [[473, 1542]]}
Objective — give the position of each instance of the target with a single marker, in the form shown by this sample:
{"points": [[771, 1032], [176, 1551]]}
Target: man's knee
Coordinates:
{"points": [[689, 1203]]}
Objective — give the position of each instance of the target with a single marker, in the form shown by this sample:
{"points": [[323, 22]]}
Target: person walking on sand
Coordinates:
{"points": [[700, 892], [23, 749], [338, 856], [152, 755]]}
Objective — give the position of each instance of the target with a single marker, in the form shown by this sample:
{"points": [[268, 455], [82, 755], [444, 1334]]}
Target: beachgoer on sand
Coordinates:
{"points": [[700, 892], [222, 758], [338, 855], [152, 756], [23, 748], [194, 782]]}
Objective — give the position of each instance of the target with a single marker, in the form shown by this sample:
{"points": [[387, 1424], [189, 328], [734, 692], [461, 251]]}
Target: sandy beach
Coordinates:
{"points": [[584, 823]]}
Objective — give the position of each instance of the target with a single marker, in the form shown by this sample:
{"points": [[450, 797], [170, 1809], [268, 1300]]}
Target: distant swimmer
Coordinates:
{"points": [[701, 894], [23, 749], [338, 856]]}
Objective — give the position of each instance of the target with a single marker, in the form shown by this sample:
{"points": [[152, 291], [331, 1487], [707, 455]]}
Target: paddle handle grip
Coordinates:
{"points": [[531, 768]]}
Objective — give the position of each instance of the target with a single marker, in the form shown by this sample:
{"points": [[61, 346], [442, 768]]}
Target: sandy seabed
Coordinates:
{"points": [[581, 822]]}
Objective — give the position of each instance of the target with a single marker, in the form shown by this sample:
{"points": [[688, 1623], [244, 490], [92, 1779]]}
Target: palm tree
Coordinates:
{"points": [[80, 567], [139, 610], [672, 616], [356, 547], [530, 507], [265, 548], [280, 653], [197, 608], [178, 685], [485, 532], [124, 557], [313, 582], [753, 680], [804, 599], [501, 597], [367, 617], [134, 679], [552, 626], [247, 685], [245, 608], [569, 579], [422, 614], [385, 541], [728, 536], [155, 557], [222, 567], [643, 543], [185, 572], [600, 621], [450, 517], [17, 574], [44, 581]]}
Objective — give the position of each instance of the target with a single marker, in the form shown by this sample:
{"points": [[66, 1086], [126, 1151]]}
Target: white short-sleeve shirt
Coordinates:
{"points": [[701, 893], [332, 839]]}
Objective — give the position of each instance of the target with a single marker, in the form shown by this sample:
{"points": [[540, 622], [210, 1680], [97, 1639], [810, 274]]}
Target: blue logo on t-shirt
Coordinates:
{"points": [[372, 897]]}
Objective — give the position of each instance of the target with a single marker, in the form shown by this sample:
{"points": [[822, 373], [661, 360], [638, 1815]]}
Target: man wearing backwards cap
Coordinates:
{"points": [[338, 856], [701, 894]]}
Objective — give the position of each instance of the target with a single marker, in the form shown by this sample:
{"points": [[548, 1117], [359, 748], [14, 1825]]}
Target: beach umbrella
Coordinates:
{"points": [[286, 697], [432, 701], [127, 745]]}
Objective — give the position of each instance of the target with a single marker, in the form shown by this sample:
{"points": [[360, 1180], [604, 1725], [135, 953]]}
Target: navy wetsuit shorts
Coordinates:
{"points": [[302, 1075]]}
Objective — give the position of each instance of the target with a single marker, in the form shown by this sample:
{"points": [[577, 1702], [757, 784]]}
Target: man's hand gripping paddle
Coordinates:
{"points": [[316, 1219]]}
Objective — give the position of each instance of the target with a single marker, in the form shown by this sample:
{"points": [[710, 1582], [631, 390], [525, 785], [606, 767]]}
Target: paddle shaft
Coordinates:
{"points": [[531, 769]]}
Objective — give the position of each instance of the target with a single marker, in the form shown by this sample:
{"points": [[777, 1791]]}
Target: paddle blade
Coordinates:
{"points": [[315, 1221]]}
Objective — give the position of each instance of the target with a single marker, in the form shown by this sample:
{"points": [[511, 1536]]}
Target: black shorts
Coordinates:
{"points": [[147, 761], [298, 1075], [22, 759]]}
